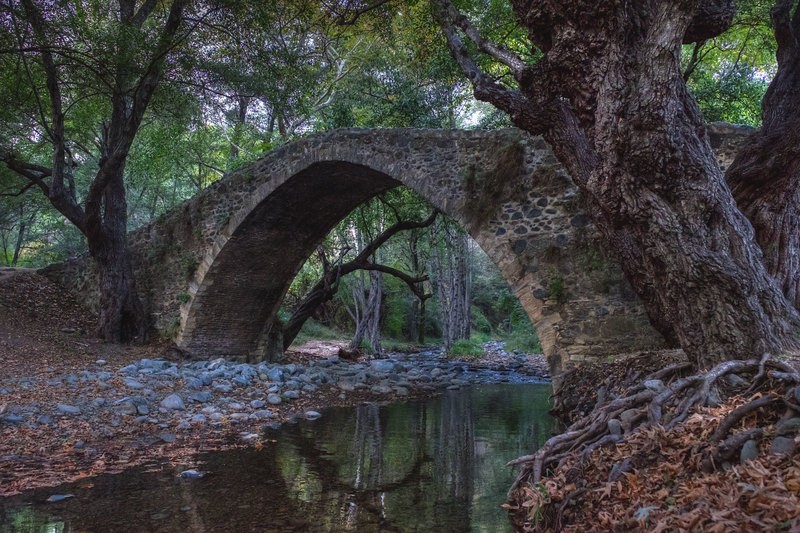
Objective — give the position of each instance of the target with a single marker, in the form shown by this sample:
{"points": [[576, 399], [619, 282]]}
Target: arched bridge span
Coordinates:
{"points": [[213, 271]]}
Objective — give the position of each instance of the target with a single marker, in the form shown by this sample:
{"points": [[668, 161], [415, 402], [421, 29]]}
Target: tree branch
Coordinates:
{"points": [[504, 55], [485, 88]]}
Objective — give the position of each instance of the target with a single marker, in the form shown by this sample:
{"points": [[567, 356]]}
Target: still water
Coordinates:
{"points": [[434, 465]]}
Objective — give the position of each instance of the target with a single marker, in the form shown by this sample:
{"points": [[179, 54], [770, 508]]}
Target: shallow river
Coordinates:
{"points": [[435, 465]]}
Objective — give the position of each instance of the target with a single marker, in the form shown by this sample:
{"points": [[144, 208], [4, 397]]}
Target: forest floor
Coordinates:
{"points": [[659, 479]]}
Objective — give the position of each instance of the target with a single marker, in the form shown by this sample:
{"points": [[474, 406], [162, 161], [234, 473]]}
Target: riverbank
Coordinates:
{"points": [[73, 407]]}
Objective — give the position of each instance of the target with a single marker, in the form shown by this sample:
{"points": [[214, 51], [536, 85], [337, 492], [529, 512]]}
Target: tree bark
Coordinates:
{"points": [[609, 98], [765, 176], [122, 316]]}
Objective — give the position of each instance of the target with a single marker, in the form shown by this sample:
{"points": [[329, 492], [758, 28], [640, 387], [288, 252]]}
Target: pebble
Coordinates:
{"points": [[59, 498], [192, 474], [782, 446], [132, 383], [69, 409], [749, 451], [274, 399], [291, 394], [257, 404], [312, 415], [173, 401]]}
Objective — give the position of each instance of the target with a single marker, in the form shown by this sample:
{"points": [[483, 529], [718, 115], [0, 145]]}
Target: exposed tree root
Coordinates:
{"points": [[665, 399]]}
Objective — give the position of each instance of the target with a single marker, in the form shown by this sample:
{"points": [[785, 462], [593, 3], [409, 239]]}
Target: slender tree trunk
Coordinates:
{"points": [[367, 296], [450, 267], [765, 176]]}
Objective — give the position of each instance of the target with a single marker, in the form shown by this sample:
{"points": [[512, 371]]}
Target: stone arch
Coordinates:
{"points": [[251, 232], [505, 187]]}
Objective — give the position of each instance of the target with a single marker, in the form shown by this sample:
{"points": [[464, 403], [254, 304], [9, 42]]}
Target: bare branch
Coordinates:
{"points": [[20, 192]]}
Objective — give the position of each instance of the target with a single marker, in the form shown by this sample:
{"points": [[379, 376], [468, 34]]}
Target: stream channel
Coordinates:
{"points": [[422, 465]]}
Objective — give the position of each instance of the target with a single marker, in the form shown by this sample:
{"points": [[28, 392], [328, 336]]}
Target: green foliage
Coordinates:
{"points": [[313, 330], [183, 297], [472, 347], [189, 265], [555, 286], [729, 74]]}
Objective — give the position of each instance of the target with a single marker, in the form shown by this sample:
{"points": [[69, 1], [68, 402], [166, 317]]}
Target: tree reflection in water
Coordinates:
{"points": [[437, 465]]}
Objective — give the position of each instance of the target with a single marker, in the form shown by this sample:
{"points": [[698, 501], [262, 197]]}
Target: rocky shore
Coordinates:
{"points": [[60, 426]]}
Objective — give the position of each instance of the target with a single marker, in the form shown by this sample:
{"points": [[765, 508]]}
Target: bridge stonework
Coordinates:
{"points": [[213, 271]]}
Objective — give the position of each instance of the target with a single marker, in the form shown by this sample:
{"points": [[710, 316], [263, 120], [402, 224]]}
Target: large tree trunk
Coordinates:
{"points": [[122, 316], [608, 96], [765, 176]]}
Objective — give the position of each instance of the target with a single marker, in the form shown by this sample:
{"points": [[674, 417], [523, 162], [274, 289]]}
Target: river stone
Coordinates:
{"points": [[275, 375], [381, 389], [45, 420], [614, 427], [130, 369], [192, 474], [401, 391], [242, 381], [346, 386], [222, 388], [193, 382], [257, 404], [173, 401], [125, 407], [201, 397], [312, 415], [791, 425], [655, 385], [782, 445], [291, 394], [749, 451], [198, 419], [99, 402], [69, 409], [262, 413], [132, 383], [383, 366], [13, 419], [273, 398], [167, 437], [59, 498], [141, 406], [627, 418]]}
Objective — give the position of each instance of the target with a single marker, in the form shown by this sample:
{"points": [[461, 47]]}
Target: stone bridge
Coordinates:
{"points": [[214, 271]]}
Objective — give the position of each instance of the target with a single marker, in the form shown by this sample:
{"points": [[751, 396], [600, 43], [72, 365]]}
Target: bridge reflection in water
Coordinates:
{"points": [[435, 465]]}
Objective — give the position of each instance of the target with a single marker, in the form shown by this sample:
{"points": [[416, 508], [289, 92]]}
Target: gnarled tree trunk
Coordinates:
{"points": [[609, 98], [765, 176]]}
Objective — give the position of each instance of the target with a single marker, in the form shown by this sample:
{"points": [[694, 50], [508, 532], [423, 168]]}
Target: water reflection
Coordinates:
{"points": [[437, 465]]}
